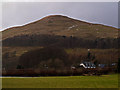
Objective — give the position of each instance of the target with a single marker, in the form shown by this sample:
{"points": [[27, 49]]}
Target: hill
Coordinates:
{"points": [[63, 33], [62, 26]]}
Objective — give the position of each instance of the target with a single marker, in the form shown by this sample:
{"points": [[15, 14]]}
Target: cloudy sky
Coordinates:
{"points": [[20, 13]]}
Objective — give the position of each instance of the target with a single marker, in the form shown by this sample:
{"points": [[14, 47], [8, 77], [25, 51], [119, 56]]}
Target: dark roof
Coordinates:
{"points": [[89, 64]]}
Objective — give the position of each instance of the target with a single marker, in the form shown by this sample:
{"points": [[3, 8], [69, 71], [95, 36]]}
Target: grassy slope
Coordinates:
{"points": [[22, 50], [61, 25], [105, 81], [19, 50]]}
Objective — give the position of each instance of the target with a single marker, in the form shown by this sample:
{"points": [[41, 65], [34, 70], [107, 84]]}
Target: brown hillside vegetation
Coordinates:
{"points": [[58, 42], [64, 26]]}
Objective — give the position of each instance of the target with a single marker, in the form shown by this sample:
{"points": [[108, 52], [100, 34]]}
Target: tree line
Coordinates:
{"points": [[61, 41]]}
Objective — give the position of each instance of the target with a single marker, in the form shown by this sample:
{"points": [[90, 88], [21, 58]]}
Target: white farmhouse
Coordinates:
{"points": [[87, 65]]}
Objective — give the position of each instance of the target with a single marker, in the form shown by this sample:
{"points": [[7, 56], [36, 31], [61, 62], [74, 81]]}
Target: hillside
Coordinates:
{"points": [[36, 39], [62, 26]]}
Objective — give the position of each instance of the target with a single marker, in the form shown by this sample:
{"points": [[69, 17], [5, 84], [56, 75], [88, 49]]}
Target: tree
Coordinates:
{"points": [[19, 67], [33, 58], [119, 65]]}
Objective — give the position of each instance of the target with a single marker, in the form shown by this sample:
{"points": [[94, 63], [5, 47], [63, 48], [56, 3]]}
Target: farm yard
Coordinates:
{"points": [[103, 81]]}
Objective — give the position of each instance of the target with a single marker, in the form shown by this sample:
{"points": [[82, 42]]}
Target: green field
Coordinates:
{"points": [[105, 81]]}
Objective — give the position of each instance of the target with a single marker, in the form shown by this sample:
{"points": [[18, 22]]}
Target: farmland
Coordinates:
{"points": [[104, 81]]}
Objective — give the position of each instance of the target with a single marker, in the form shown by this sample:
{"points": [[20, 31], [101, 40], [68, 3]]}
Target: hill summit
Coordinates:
{"points": [[62, 26]]}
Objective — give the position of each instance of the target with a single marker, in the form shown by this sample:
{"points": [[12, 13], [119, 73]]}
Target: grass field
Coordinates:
{"points": [[105, 81]]}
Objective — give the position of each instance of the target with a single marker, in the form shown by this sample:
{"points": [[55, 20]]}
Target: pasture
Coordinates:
{"points": [[104, 81]]}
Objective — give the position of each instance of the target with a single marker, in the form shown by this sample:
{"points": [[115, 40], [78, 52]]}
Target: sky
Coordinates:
{"points": [[21, 13]]}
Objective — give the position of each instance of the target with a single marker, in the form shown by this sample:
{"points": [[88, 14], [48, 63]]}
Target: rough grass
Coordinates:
{"points": [[60, 26], [105, 81]]}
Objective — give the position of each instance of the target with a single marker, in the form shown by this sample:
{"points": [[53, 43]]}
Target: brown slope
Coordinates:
{"points": [[62, 25]]}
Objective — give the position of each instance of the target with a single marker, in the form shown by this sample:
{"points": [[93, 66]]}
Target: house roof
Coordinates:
{"points": [[88, 64]]}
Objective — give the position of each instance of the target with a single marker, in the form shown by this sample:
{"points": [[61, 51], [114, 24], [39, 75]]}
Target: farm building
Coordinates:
{"points": [[87, 65]]}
